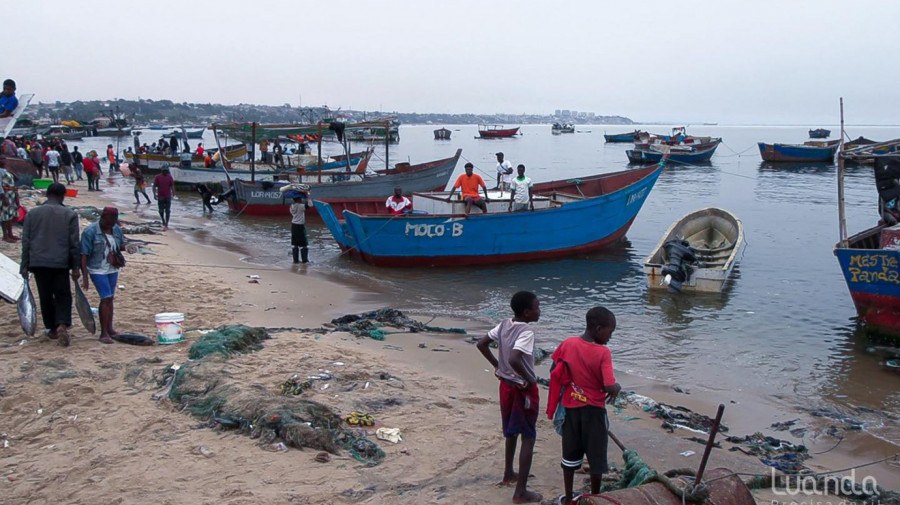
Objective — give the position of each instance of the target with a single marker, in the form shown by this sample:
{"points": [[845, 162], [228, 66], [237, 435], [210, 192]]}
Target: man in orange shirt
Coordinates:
{"points": [[468, 184]]}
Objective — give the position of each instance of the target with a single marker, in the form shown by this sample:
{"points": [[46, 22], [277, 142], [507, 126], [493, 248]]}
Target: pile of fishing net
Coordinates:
{"points": [[229, 340], [204, 388], [370, 324], [636, 473]]}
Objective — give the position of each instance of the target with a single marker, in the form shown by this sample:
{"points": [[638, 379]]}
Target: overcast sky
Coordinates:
{"points": [[759, 62]]}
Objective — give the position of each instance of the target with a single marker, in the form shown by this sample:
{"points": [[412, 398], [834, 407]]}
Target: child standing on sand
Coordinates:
{"points": [[582, 380], [518, 388]]}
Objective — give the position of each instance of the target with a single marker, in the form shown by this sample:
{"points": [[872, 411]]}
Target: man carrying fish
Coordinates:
{"points": [[51, 250]]}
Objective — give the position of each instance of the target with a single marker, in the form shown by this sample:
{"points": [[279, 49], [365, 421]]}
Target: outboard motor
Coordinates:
{"points": [[681, 255]]}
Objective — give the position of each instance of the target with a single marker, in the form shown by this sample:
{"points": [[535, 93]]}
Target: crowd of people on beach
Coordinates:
{"points": [[54, 160]]}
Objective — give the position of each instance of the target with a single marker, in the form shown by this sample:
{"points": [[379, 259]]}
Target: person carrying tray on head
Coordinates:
{"points": [[299, 240]]}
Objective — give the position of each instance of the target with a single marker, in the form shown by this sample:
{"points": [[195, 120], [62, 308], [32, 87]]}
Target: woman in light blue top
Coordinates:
{"points": [[98, 243]]}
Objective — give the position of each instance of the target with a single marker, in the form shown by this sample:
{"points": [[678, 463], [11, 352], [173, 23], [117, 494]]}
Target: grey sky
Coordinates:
{"points": [[758, 61]]}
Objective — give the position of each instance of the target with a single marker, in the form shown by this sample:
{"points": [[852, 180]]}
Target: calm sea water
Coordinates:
{"points": [[784, 328]]}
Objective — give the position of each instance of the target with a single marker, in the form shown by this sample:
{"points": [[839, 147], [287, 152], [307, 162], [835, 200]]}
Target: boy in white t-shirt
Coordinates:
{"points": [[519, 396]]}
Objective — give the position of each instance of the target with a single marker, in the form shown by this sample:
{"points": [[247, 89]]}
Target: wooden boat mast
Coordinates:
{"points": [[253, 157], [842, 216], [387, 143], [222, 154], [319, 154]]}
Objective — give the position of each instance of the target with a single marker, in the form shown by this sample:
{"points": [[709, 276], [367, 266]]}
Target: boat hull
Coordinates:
{"points": [[621, 138], [266, 199], [701, 224], [579, 226], [193, 176], [648, 156], [112, 132], [499, 133], [796, 153], [153, 163], [23, 171], [873, 279], [819, 133]]}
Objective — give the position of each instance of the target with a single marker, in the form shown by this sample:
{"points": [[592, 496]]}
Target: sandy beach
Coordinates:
{"points": [[79, 425]]}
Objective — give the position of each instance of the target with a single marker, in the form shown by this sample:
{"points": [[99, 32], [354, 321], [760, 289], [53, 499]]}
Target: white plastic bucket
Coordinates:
{"points": [[170, 327]]}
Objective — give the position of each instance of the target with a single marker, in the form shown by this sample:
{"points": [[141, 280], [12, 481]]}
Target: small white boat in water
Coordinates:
{"points": [[698, 252]]}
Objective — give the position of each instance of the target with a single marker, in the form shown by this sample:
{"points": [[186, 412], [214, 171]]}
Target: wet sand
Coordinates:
{"points": [[81, 426]]}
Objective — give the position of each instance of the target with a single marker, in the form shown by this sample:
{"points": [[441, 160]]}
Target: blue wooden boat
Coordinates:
{"points": [[872, 271], [677, 154], [622, 137], [807, 152], [564, 223]]}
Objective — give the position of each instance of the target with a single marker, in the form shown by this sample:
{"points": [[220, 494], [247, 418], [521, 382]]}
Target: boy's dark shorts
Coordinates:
{"points": [[585, 432], [517, 418]]}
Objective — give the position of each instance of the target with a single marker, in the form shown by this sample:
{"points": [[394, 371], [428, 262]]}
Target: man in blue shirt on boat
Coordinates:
{"points": [[8, 100]]}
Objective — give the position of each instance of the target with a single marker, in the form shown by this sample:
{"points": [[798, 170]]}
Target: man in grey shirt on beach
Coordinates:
{"points": [[51, 250]]}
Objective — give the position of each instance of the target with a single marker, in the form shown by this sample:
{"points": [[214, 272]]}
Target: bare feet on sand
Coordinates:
{"points": [[528, 497], [106, 339], [63, 334], [508, 480]]}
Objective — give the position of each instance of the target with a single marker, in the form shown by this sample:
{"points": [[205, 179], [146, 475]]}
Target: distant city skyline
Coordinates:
{"points": [[765, 62]]}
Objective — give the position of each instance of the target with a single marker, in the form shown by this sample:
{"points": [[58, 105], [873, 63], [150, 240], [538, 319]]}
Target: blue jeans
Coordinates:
{"points": [[105, 284]]}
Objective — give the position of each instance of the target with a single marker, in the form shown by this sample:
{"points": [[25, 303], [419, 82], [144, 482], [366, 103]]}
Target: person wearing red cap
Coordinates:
{"points": [[101, 247]]}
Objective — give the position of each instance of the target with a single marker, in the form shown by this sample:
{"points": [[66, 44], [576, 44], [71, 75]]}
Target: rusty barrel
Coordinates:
{"points": [[723, 490]]}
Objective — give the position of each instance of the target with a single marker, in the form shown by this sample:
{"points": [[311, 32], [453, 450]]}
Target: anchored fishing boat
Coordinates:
{"points": [[870, 259], [494, 131], [819, 133], [442, 134], [189, 176], [625, 138], [440, 234], [365, 193], [698, 252], [684, 154], [153, 163], [560, 128], [807, 152]]}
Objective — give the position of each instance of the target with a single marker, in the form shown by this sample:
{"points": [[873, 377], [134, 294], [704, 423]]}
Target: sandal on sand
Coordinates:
{"points": [[106, 340], [575, 498]]}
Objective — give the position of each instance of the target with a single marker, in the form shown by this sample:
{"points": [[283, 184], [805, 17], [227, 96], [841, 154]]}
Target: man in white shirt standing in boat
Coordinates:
{"points": [[504, 173], [520, 197]]}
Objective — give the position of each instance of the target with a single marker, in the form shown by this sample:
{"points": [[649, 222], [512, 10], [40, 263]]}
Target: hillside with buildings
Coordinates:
{"points": [[147, 111]]}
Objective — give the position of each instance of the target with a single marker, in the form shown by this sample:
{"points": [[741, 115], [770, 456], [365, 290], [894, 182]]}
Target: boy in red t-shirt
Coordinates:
{"points": [[519, 396], [582, 379]]}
